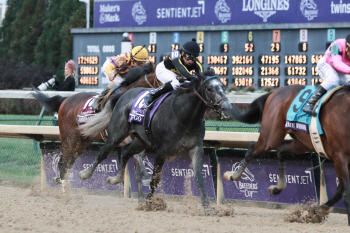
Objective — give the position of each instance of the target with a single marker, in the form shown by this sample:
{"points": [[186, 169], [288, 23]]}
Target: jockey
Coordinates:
{"points": [[178, 63], [332, 68], [118, 67]]}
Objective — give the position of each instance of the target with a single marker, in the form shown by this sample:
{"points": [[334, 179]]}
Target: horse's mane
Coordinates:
{"points": [[196, 82], [346, 88], [135, 73]]}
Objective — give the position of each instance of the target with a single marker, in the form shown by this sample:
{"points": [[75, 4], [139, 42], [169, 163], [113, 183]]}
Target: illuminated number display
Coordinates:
{"points": [[152, 59], [269, 59], [242, 70], [275, 47], [175, 47], [297, 70], [224, 48], [200, 59], [201, 48], [316, 80], [221, 60], [88, 70], [314, 71], [243, 82], [269, 82], [295, 59], [224, 81], [249, 47], [270, 70], [88, 60], [316, 58], [242, 60], [152, 48], [222, 70], [302, 47], [295, 81], [88, 80]]}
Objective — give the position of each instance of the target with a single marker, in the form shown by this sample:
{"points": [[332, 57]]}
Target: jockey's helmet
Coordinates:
{"points": [[191, 47], [139, 53]]}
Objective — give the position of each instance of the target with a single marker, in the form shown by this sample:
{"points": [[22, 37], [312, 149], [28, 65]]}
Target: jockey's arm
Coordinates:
{"points": [[339, 65]]}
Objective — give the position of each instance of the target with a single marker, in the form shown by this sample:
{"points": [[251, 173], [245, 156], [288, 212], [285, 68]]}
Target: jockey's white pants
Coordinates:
{"points": [[330, 76], [164, 75]]}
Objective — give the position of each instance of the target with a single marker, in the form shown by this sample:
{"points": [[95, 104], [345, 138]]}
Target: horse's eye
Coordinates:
{"points": [[209, 89]]}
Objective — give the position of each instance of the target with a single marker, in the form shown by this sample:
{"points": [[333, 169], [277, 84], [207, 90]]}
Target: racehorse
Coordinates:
{"points": [[73, 143], [271, 110], [177, 128]]}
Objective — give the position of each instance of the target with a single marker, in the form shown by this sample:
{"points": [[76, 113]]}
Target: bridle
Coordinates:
{"points": [[215, 106]]}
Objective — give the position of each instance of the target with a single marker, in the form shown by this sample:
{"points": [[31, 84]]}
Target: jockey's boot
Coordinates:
{"points": [[97, 104], [154, 94], [309, 106]]}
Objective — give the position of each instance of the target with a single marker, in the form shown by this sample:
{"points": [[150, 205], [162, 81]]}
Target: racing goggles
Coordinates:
{"points": [[189, 57]]}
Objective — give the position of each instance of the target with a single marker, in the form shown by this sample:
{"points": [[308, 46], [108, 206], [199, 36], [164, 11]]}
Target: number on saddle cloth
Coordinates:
{"points": [[299, 120]]}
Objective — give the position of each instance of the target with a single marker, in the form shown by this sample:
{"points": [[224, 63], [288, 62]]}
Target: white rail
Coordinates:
{"points": [[19, 94]]}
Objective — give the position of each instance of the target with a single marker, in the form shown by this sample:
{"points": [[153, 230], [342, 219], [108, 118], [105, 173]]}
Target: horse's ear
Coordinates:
{"points": [[209, 72]]}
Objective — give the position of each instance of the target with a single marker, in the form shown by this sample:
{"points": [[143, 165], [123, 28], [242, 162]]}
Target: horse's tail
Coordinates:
{"points": [[254, 113], [100, 122], [51, 104]]}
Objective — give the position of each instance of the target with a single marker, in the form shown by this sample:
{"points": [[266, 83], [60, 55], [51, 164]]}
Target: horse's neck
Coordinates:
{"points": [[189, 109]]}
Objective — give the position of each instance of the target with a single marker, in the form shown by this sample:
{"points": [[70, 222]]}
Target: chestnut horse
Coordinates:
{"points": [[271, 110], [73, 143]]}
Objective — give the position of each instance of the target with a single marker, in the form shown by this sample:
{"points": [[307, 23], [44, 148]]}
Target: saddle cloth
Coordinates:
{"points": [[86, 111], [299, 120], [139, 109]]}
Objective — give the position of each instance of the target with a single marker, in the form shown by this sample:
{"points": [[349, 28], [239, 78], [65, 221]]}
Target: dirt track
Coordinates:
{"points": [[48, 211]]}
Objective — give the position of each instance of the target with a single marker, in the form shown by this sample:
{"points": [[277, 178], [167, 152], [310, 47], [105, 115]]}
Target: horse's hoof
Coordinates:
{"points": [[86, 174], [142, 199], [146, 182], [113, 180], [273, 190], [208, 211], [56, 180], [228, 176]]}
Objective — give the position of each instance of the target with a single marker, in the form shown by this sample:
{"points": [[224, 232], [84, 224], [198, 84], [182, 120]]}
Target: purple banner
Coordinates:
{"points": [[217, 12], [332, 183], [177, 176], [107, 168], [262, 173]]}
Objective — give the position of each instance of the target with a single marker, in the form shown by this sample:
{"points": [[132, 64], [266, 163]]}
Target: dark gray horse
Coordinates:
{"points": [[177, 127]]}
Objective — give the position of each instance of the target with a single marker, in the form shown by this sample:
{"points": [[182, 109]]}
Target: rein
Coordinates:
{"points": [[155, 81]]}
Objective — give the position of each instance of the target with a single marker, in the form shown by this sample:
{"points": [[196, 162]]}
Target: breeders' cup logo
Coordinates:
{"points": [[222, 11], [106, 13], [54, 166], [265, 8], [248, 188], [309, 9], [139, 13], [148, 165]]}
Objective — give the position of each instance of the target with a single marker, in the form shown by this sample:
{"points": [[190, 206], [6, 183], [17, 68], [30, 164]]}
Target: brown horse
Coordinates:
{"points": [[73, 143], [271, 110]]}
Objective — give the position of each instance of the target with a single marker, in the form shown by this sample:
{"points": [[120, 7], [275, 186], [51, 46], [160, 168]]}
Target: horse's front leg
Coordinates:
{"points": [[128, 150], [157, 171], [196, 155]]}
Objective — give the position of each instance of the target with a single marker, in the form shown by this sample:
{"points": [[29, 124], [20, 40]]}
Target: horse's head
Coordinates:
{"points": [[212, 90]]}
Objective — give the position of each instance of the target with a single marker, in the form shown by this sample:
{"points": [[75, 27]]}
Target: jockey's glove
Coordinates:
{"points": [[192, 78]]}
